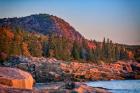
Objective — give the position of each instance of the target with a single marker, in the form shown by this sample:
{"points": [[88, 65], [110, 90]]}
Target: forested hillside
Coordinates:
{"points": [[49, 36]]}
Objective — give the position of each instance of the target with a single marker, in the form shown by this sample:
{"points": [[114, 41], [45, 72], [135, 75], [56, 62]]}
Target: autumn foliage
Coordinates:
{"points": [[16, 41]]}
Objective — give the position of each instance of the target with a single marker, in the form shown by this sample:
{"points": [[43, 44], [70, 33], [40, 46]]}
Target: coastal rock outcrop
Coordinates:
{"points": [[50, 69], [111, 71], [15, 78]]}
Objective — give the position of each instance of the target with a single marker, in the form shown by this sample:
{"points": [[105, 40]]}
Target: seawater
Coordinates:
{"points": [[118, 86]]}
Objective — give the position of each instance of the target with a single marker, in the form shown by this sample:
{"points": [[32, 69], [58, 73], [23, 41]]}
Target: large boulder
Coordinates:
{"points": [[15, 78]]}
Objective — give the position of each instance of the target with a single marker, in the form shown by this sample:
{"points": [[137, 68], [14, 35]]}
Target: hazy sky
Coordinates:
{"points": [[118, 20]]}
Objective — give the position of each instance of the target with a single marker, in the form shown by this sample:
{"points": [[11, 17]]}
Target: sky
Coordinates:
{"points": [[118, 20]]}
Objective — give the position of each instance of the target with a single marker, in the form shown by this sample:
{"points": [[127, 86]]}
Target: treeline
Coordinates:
{"points": [[105, 51], [16, 41]]}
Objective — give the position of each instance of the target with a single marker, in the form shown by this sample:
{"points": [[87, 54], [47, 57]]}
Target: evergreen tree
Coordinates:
{"points": [[104, 50], [75, 53], [45, 48], [90, 55]]}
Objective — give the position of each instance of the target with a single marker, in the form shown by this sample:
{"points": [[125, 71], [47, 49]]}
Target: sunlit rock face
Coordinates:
{"points": [[15, 78], [113, 71], [51, 69]]}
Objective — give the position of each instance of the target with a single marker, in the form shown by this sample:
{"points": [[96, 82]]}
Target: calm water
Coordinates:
{"points": [[118, 86]]}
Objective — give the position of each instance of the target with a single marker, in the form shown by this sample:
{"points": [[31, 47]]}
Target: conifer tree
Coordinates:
{"points": [[75, 53], [35, 48]]}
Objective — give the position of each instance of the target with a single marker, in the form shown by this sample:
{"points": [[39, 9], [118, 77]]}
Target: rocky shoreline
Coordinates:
{"points": [[61, 76], [13, 80], [71, 87], [57, 87], [50, 69]]}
